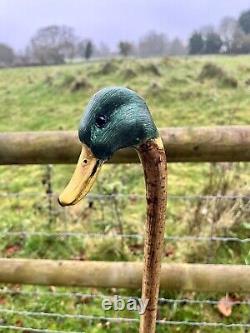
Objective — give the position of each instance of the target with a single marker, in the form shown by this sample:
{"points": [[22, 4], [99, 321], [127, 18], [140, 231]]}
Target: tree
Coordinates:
{"points": [[81, 48], [153, 44], [237, 41], [89, 50], [103, 50], [227, 30], [244, 21], [125, 48], [241, 42], [196, 43], [245, 44], [53, 44], [7, 55], [206, 29], [176, 47], [213, 43], [85, 48]]}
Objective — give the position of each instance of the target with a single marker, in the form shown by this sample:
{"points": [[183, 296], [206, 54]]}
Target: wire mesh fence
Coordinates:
{"points": [[117, 318], [100, 230]]}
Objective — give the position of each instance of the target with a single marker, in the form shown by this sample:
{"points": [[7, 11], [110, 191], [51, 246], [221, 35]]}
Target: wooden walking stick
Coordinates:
{"points": [[117, 118]]}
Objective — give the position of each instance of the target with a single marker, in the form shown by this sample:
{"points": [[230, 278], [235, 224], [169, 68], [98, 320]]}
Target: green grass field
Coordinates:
{"points": [[203, 91]]}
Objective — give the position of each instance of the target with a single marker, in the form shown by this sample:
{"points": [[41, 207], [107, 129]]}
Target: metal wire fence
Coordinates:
{"points": [[75, 295], [11, 308], [63, 235], [119, 320]]}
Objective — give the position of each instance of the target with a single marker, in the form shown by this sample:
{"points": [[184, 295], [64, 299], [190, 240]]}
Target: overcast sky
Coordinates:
{"points": [[112, 20]]}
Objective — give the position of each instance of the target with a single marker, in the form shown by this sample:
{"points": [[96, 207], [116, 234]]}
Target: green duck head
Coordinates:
{"points": [[115, 118]]}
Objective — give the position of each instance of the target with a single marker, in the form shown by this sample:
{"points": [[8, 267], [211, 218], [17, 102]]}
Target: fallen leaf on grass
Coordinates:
{"points": [[19, 323], [225, 306], [10, 250], [2, 300]]}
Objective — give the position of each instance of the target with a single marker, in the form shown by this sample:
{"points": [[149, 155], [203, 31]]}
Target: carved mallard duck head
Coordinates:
{"points": [[115, 118]]}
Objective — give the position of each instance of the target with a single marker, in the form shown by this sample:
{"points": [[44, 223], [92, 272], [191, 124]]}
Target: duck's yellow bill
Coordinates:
{"points": [[86, 171]]}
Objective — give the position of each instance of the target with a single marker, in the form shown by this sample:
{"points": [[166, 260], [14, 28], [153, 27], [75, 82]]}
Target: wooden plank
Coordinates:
{"points": [[97, 274], [197, 144]]}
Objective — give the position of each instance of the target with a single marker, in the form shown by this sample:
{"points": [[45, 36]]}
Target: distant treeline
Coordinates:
{"points": [[59, 44], [231, 37]]}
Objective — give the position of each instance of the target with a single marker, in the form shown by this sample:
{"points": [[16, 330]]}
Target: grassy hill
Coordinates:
{"points": [[203, 91]]}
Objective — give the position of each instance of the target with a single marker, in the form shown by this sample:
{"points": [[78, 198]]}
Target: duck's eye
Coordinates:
{"points": [[101, 120]]}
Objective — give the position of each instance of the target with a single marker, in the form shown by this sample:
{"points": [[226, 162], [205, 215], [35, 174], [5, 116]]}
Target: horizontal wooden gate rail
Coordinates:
{"points": [[178, 277], [189, 144]]}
